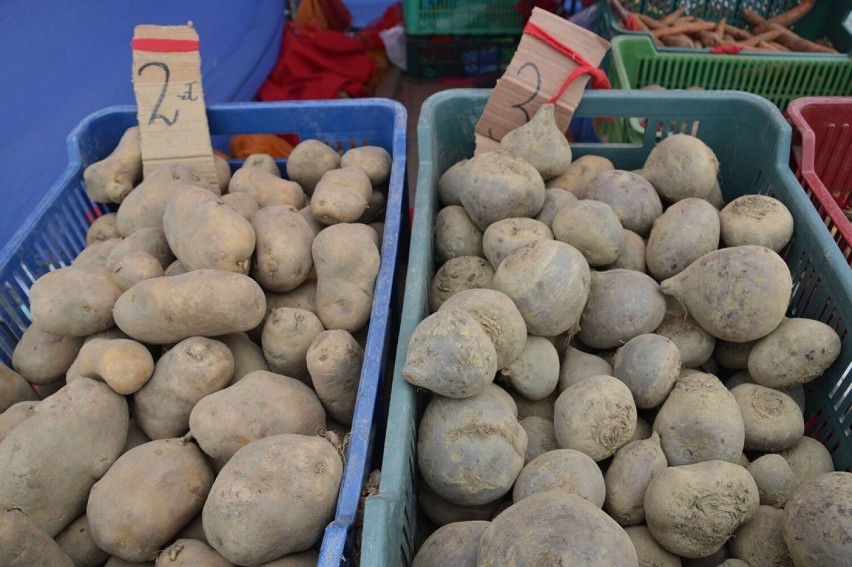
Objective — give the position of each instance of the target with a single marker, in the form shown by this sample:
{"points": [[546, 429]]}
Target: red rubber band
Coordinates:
{"points": [[598, 77], [163, 45]]}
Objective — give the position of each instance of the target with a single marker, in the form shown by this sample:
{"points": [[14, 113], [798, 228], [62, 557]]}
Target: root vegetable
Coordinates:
{"points": [[505, 236], [457, 275], [628, 477], [772, 420], [565, 470], [631, 196], [687, 230], [649, 364], [541, 143], [456, 234], [798, 351], [681, 166], [818, 521], [756, 219]]}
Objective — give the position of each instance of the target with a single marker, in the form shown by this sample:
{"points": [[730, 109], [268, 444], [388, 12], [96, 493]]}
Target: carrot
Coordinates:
{"points": [[670, 19], [720, 28], [709, 38], [756, 40], [684, 28], [649, 21], [790, 17], [678, 40], [736, 32], [787, 38]]}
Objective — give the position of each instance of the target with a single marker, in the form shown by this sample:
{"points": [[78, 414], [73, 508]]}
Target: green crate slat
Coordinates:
{"points": [[752, 141]]}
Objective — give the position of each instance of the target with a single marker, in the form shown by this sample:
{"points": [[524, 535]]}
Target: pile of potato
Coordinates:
{"points": [[582, 317], [197, 365]]}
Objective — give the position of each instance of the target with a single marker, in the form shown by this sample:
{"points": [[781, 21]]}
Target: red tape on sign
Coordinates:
{"points": [[163, 45]]}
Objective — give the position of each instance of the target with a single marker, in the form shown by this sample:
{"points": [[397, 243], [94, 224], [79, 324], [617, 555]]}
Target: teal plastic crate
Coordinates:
{"points": [[55, 233], [828, 19], [752, 141]]}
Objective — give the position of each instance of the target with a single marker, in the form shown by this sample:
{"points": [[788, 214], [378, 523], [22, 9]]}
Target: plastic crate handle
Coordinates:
{"points": [[599, 78]]}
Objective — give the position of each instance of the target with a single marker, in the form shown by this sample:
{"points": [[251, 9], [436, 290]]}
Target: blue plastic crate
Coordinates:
{"points": [[55, 233]]}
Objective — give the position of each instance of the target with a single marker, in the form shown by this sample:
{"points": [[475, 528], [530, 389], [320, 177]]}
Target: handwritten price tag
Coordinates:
{"points": [[170, 102], [554, 61]]}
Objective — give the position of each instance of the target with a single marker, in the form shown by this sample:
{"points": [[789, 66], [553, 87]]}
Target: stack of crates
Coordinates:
{"points": [[455, 39]]}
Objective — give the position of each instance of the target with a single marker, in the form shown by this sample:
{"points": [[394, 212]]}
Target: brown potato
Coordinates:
{"points": [[42, 357]]}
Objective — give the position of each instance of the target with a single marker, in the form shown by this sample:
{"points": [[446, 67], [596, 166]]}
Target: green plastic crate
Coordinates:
{"points": [[637, 62], [752, 141], [829, 19], [462, 17], [440, 57]]}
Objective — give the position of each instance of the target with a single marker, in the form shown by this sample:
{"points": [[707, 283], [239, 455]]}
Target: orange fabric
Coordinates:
{"points": [[326, 14], [244, 145]]}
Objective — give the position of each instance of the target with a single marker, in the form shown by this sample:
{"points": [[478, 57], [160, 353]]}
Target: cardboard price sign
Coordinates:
{"points": [[554, 61], [170, 102]]}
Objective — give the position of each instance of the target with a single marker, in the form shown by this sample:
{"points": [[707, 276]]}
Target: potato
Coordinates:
{"points": [[262, 161], [175, 269], [632, 255], [796, 391], [134, 267], [243, 203], [452, 544], [260, 405], [74, 301], [76, 541], [577, 365], [347, 263], [694, 344], [808, 458], [775, 480], [535, 373], [796, 352], [111, 179], [124, 364], [190, 553], [541, 142], [42, 357], [450, 354], [147, 496], [341, 196], [692, 510], [456, 235], [649, 364], [135, 436], [499, 185], [308, 558], [507, 235], [287, 336], [541, 437], [441, 511], [282, 256], [203, 233], [14, 388], [459, 274], [772, 420], [596, 415], [649, 552], [24, 544], [681, 166], [16, 414], [118, 562], [86, 423], [186, 373], [374, 160], [817, 523], [631, 196], [760, 541], [247, 355], [579, 173], [746, 303], [622, 304], [548, 282], [302, 297], [199, 303], [532, 532], [733, 563], [150, 239], [102, 228], [700, 421], [145, 205], [470, 450], [528, 408], [628, 476], [95, 254], [267, 189], [733, 356], [295, 480], [308, 161], [687, 230], [555, 200], [564, 470], [756, 219], [449, 184], [593, 228], [501, 320], [334, 362]]}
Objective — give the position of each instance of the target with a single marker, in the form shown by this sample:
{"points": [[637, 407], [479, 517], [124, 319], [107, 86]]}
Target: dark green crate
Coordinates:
{"points": [[752, 141], [461, 17], [440, 57]]}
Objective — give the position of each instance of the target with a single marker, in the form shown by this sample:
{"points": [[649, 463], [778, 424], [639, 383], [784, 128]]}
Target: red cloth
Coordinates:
{"points": [[318, 64]]}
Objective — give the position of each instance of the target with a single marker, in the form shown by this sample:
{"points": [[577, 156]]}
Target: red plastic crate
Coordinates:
{"points": [[822, 160]]}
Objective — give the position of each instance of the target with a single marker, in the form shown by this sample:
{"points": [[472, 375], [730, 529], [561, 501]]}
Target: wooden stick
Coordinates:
{"points": [[684, 28], [790, 17], [671, 18], [787, 38]]}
